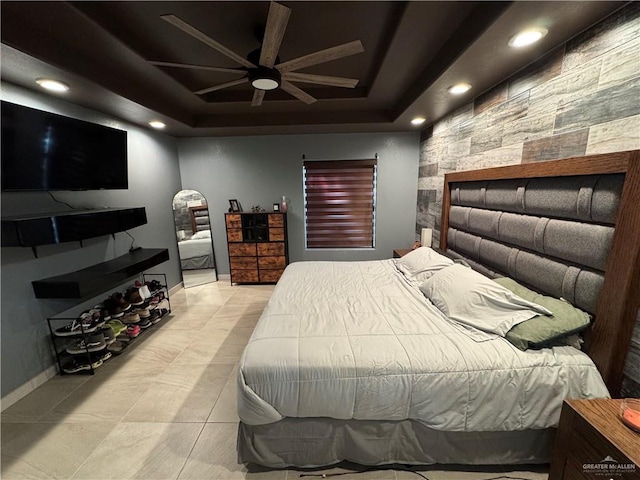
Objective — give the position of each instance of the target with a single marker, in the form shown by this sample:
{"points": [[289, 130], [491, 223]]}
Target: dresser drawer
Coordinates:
{"points": [[244, 276], [234, 221], [243, 263], [270, 249], [242, 249], [276, 220], [276, 234], [272, 262], [234, 235], [270, 275]]}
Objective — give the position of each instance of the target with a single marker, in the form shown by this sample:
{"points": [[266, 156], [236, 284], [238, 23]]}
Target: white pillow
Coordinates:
{"points": [[469, 297], [201, 234], [421, 263]]}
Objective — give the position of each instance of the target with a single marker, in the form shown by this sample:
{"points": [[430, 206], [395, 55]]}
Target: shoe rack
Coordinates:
{"points": [[88, 356]]}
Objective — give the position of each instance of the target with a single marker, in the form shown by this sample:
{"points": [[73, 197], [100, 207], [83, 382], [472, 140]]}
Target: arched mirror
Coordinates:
{"points": [[195, 241]]}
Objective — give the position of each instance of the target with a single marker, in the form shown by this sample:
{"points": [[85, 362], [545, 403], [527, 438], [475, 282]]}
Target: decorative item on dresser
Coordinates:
{"points": [[592, 442], [257, 242]]}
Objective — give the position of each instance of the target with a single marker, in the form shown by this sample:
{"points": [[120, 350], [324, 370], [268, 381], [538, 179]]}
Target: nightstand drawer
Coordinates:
{"points": [[242, 249]]}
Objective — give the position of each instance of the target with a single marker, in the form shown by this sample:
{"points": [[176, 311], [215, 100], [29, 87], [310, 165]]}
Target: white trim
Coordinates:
{"points": [[176, 288], [25, 389]]}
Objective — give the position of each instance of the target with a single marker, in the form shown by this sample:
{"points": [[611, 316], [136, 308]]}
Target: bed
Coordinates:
{"points": [[196, 252], [354, 360]]}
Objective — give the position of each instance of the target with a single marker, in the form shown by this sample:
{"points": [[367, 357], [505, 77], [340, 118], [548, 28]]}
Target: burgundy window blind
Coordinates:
{"points": [[339, 203]]}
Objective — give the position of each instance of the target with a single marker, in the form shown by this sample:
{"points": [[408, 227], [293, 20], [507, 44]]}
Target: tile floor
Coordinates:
{"points": [[165, 408]]}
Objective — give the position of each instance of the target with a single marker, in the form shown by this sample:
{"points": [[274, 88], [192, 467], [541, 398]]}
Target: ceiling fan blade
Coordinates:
{"points": [[221, 86], [273, 34], [197, 67], [333, 53], [296, 92], [258, 96], [195, 33], [321, 79]]}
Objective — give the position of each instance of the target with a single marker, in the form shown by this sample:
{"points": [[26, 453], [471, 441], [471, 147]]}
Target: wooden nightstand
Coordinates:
{"points": [[590, 431], [400, 252]]}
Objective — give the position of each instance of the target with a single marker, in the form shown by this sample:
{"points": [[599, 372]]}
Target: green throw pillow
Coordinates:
{"points": [[544, 330]]}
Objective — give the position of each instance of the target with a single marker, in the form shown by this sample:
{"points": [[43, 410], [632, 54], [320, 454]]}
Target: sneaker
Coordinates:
{"points": [[144, 323], [130, 318], [102, 355], [93, 343], [133, 331], [74, 365], [133, 297], [115, 311], [109, 334], [155, 317], [143, 312], [117, 347], [154, 285], [120, 301]]}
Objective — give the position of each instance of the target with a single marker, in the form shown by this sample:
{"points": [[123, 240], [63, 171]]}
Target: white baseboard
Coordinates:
{"points": [[224, 276], [24, 390]]}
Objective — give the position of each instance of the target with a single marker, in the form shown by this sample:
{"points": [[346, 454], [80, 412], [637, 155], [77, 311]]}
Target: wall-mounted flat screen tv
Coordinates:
{"points": [[42, 151]]}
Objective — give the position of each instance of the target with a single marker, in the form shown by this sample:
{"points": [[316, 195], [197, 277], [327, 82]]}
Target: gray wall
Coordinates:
{"points": [[154, 178], [260, 170]]}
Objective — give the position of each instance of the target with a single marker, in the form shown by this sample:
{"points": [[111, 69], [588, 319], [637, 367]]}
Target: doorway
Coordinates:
{"points": [[195, 238]]}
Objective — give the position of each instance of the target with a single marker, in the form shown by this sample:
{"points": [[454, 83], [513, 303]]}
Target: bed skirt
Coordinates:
{"points": [[317, 442], [197, 263]]}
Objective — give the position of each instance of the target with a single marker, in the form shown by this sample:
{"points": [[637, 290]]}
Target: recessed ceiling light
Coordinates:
{"points": [[53, 85], [527, 37], [460, 88], [418, 121], [157, 124]]}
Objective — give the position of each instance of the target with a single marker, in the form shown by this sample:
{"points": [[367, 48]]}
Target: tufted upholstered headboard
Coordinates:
{"points": [[569, 228]]}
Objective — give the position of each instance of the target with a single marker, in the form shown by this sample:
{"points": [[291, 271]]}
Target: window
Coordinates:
{"points": [[339, 201]]}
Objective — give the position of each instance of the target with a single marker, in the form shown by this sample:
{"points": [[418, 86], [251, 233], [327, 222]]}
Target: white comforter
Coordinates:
{"points": [[353, 340], [195, 248]]}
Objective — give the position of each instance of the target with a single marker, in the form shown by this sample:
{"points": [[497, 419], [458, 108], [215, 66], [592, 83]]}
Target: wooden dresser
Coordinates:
{"points": [[257, 244], [593, 443]]}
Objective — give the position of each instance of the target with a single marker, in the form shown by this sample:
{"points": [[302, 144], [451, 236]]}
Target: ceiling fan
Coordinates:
{"points": [[260, 67]]}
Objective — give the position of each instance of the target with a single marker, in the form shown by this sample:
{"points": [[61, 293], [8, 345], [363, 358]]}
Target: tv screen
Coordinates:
{"points": [[43, 151]]}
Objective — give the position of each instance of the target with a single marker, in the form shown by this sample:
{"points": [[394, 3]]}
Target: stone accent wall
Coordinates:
{"points": [[582, 98]]}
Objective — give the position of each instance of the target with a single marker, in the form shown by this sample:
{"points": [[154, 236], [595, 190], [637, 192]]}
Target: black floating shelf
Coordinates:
{"points": [[99, 278], [69, 226]]}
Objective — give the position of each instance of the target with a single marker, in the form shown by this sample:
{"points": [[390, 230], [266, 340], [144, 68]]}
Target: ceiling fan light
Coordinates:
{"points": [[527, 37], [418, 121], [265, 83], [53, 85]]}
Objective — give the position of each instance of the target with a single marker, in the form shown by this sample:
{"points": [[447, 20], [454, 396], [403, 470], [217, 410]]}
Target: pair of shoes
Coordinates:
{"points": [[93, 343], [116, 305], [144, 289], [109, 334], [117, 326], [155, 317], [154, 286], [133, 296], [102, 355], [143, 312], [118, 346], [130, 318], [133, 331], [74, 365], [144, 323]]}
